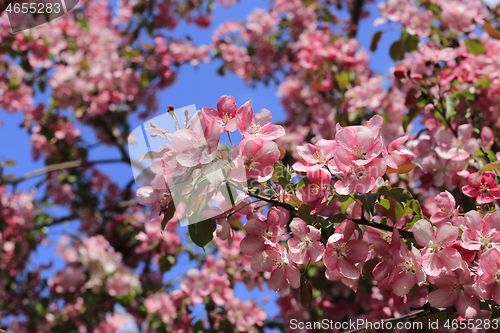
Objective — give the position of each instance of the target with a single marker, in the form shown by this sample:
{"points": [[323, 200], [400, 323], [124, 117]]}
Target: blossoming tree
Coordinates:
{"points": [[376, 199]]}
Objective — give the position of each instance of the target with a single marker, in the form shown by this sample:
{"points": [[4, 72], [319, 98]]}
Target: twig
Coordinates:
{"points": [[403, 233]]}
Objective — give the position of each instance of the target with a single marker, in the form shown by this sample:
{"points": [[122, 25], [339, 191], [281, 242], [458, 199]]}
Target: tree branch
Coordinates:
{"points": [[357, 8], [403, 233]]}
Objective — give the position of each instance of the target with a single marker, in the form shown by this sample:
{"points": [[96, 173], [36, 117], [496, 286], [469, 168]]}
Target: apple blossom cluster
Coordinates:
{"points": [[347, 231]]}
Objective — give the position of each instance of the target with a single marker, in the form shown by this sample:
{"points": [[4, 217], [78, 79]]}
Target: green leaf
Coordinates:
{"points": [[343, 80], [305, 213], [385, 203], [345, 202], [411, 43], [305, 292], [199, 327], [337, 218], [475, 46], [402, 212], [375, 40], [368, 200], [303, 182], [451, 106], [397, 50], [202, 232], [415, 205], [166, 262], [483, 83], [167, 215], [466, 93], [399, 194]]}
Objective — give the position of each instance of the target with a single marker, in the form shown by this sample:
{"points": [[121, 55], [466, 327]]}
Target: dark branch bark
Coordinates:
{"points": [[403, 233], [355, 17]]}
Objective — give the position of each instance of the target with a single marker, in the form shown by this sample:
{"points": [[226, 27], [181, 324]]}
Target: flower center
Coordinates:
{"points": [[254, 128], [306, 242], [227, 117], [408, 266], [359, 171], [484, 187], [435, 246], [457, 287], [249, 162], [317, 155], [485, 240], [342, 249], [358, 152]]}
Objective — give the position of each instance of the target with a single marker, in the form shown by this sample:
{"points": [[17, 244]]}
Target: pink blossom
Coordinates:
{"points": [[408, 267], [259, 124], [342, 252], [448, 212], [317, 193], [227, 114], [397, 154], [277, 261], [316, 156], [261, 233], [244, 314], [254, 159], [444, 172], [456, 148], [437, 252], [163, 304], [483, 188], [305, 244], [455, 288], [194, 285], [358, 144], [487, 137], [483, 234], [197, 145], [488, 283], [359, 178], [220, 289]]}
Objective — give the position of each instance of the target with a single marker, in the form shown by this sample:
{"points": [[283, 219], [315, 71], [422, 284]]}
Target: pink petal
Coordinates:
{"points": [[226, 105], [271, 132], [358, 251], [442, 297], [277, 281], [264, 261], [299, 228], [451, 258], [446, 234], [423, 232], [467, 307], [403, 283], [432, 264], [306, 152], [251, 244], [330, 258], [263, 117], [316, 251], [348, 269], [293, 275]]}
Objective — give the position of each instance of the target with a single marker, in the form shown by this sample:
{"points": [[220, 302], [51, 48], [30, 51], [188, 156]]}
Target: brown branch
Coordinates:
{"points": [[356, 11], [67, 165], [403, 233]]}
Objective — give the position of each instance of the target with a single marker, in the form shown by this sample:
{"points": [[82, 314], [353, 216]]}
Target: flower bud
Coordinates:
{"points": [[399, 73]]}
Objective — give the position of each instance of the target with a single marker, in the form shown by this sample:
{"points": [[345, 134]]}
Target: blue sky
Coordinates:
{"points": [[195, 85]]}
